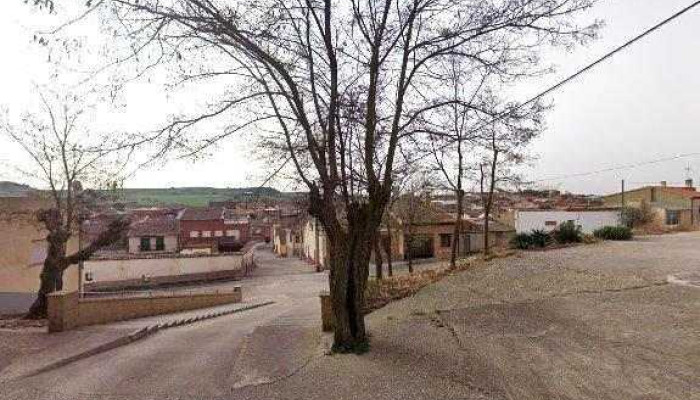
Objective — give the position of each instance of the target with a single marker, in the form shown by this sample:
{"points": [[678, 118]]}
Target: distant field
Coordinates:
{"points": [[198, 197]]}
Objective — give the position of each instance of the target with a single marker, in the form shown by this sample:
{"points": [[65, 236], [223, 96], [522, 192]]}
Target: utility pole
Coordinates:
{"points": [[623, 193]]}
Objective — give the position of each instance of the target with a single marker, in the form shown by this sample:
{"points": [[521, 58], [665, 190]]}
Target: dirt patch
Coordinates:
{"points": [[382, 292]]}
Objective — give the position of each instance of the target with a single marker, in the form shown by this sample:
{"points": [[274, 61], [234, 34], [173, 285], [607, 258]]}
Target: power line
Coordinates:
{"points": [[580, 72], [566, 80], [618, 168]]}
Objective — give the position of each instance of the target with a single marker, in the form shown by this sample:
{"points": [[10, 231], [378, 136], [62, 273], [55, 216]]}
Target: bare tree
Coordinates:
{"points": [[502, 148], [63, 157], [337, 86]]}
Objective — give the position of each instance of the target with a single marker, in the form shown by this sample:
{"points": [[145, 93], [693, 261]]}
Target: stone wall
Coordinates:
{"points": [[67, 311]]}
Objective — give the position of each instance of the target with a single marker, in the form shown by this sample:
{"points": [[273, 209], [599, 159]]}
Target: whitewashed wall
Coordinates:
{"points": [[529, 220], [128, 269]]}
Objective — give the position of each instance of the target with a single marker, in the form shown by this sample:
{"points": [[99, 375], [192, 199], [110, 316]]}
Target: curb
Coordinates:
{"points": [[138, 335]]}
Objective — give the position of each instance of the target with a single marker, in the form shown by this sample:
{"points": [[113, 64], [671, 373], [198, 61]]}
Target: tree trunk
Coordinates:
{"points": [[389, 261], [489, 203], [409, 252], [349, 260], [378, 261], [51, 276], [457, 230]]}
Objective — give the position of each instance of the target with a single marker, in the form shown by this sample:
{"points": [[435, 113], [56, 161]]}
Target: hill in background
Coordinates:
{"points": [[201, 196], [13, 189]]}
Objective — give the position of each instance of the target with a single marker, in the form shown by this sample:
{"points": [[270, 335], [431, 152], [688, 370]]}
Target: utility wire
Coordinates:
{"points": [[618, 168], [580, 72], [563, 82]]}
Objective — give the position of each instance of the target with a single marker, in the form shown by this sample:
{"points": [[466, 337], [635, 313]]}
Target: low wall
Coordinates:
{"points": [[163, 270], [67, 311]]}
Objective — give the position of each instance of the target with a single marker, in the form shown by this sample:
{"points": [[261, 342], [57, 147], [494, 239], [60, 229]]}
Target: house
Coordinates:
{"points": [[671, 205], [433, 238], [23, 249], [589, 220], [315, 244], [154, 234], [287, 234], [202, 230]]}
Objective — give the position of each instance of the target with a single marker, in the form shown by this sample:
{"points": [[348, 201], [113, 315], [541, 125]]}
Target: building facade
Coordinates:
{"points": [[23, 249], [671, 206], [526, 221]]}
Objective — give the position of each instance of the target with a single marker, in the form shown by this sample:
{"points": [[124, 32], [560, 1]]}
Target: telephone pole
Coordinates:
{"points": [[623, 193]]}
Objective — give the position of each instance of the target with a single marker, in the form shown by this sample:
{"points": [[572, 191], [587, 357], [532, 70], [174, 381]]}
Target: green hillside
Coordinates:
{"points": [[200, 196]]}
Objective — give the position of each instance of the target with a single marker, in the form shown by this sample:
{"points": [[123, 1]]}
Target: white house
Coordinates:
{"points": [[548, 220], [314, 243]]}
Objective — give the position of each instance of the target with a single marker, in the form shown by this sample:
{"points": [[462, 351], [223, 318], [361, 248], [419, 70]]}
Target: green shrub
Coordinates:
{"points": [[568, 232], [540, 238], [613, 233], [521, 241], [536, 239]]}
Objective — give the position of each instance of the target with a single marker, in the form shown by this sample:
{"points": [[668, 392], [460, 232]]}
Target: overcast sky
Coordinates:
{"points": [[642, 105]]}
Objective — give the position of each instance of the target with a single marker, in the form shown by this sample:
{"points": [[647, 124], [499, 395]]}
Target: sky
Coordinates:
{"points": [[642, 105]]}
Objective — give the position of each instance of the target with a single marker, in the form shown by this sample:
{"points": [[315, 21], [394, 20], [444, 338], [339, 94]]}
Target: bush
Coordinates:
{"points": [[536, 238], [637, 216], [613, 233], [568, 232], [522, 241], [540, 238]]}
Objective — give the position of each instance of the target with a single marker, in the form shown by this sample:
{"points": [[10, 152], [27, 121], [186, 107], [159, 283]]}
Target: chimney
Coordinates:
{"points": [[663, 183], [689, 183]]}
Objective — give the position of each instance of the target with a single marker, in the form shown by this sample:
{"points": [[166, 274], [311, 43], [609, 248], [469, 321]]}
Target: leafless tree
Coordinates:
{"points": [[503, 148], [337, 86], [63, 157]]}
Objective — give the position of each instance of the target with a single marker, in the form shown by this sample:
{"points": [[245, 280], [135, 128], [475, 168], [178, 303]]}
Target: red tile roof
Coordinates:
{"points": [[202, 214], [158, 226]]}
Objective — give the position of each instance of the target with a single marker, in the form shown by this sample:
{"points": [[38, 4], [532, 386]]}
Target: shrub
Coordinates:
{"points": [[613, 233], [568, 232], [522, 241], [540, 238], [637, 216]]}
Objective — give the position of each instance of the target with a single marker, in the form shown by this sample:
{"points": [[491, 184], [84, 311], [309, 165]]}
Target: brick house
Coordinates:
{"points": [[211, 230]]}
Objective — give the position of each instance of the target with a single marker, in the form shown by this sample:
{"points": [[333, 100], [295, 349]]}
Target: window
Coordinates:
{"points": [[445, 240], [145, 244], [88, 276], [194, 234], [550, 223], [206, 233], [218, 233], [160, 243], [234, 233], [673, 217]]}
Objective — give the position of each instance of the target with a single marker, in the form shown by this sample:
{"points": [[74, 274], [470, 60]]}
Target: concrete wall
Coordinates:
{"points": [[66, 311], [529, 220], [131, 272], [22, 253]]}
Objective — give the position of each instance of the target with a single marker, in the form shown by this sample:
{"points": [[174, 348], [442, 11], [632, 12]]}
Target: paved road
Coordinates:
{"points": [[206, 359]]}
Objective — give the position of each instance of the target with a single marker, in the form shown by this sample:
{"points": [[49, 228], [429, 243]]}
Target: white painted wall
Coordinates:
{"points": [[312, 247], [528, 220], [120, 270]]}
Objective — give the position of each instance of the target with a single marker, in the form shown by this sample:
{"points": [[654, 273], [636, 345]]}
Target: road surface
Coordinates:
{"points": [[208, 359]]}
